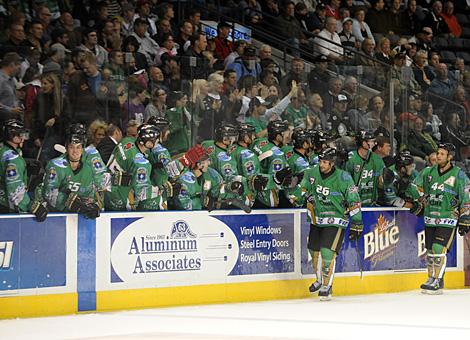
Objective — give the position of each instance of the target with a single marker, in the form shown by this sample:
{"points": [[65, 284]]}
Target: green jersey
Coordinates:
{"points": [[447, 196], [259, 123], [195, 190], [296, 117], [397, 189], [101, 176], [60, 180], [366, 174], [140, 194], [332, 198], [159, 154], [298, 163], [13, 180]]}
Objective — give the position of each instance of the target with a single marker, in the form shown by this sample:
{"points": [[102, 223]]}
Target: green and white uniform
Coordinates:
{"points": [[298, 163], [366, 174], [13, 181]]}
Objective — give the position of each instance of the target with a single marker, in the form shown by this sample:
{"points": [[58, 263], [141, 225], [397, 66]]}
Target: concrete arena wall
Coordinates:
{"points": [[69, 264]]}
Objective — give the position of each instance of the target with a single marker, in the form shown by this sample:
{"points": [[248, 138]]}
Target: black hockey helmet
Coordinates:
{"points": [[225, 130], [449, 147], [276, 127], [404, 158], [160, 122], [147, 132], [299, 137], [329, 154], [245, 129], [363, 136], [75, 138], [76, 129], [319, 138], [12, 128]]}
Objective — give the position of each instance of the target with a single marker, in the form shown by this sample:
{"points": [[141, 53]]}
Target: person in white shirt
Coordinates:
{"points": [[330, 45]]}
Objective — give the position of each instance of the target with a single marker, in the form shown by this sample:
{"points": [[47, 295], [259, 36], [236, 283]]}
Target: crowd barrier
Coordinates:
{"points": [[69, 264]]}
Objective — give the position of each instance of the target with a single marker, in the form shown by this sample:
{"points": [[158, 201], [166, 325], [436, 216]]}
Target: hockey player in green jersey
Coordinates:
{"points": [[273, 161], [14, 179], [68, 181], [297, 159], [398, 182], [220, 153], [445, 191], [366, 168], [132, 188], [332, 197]]}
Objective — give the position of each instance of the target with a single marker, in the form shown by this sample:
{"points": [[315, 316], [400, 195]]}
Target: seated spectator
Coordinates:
{"points": [[377, 18], [167, 45], [266, 61], [395, 18], [230, 81], [424, 40], [96, 132], [127, 19], [147, 46], [435, 21], [432, 121], [157, 106], [171, 72], [251, 10], [460, 105], [306, 19], [373, 72], [238, 49], [421, 71], [165, 11], [348, 39], [350, 88], [332, 9], [108, 143], [246, 65], [451, 20], [288, 27], [334, 89], [90, 43], [383, 52], [131, 47], [420, 143], [328, 42], [409, 83], [16, 40], [374, 116], [358, 114], [182, 39], [443, 85], [318, 18], [296, 112], [145, 14], [296, 74], [115, 66], [410, 20], [34, 36], [319, 77], [452, 132], [194, 17], [223, 47]]}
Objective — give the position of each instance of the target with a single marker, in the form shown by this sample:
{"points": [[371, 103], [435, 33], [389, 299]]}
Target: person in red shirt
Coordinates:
{"points": [[223, 47], [451, 19], [332, 10]]}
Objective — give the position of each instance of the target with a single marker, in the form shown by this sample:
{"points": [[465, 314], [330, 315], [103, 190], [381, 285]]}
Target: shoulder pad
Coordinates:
{"points": [[277, 151], [245, 154], [159, 148], [223, 156], [345, 176], [213, 173], [188, 177], [302, 162], [140, 159], [91, 150], [60, 162], [9, 155]]}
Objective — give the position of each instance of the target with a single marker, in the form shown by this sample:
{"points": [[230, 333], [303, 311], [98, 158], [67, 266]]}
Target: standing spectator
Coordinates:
{"points": [[202, 67], [410, 21], [50, 117], [361, 29], [396, 18], [180, 119], [289, 27], [223, 47], [96, 132], [34, 36], [246, 65], [9, 68], [185, 32], [108, 143], [90, 43], [238, 50], [195, 18], [133, 108], [377, 18], [148, 46], [329, 43], [451, 20], [157, 107], [435, 21], [44, 16]]}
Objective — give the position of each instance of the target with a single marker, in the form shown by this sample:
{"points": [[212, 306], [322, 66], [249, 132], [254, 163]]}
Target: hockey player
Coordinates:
{"points": [[132, 188], [445, 191], [332, 198], [68, 181], [273, 160], [366, 168], [297, 159], [14, 179], [398, 182]]}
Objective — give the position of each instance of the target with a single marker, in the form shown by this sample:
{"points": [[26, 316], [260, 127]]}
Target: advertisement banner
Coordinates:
{"points": [[32, 254], [391, 240], [168, 249]]}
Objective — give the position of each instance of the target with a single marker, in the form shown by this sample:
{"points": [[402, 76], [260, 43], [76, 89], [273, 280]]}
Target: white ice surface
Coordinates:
{"points": [[402, 316]]}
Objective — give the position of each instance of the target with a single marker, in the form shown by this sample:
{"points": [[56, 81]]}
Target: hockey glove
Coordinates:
{"points": [[239, 204], [464, 225], [259, 182], [157, 165], [283, 177], [463, 230], [90, 210], [39, 210], [121, 179], [76, 204], [209, 203], [417, 208], [236, 187], [172, 189], [388, 176], [355, 230]]}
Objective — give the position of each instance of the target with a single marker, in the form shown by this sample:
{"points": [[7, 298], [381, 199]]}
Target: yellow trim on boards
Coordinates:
{"points": [[259, 291], [38, 305]]}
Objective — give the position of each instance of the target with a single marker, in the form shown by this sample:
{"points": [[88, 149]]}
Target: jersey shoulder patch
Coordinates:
{"points": [[345, 176], [276, 151], [140, 158], [301, 162], [223, 156], [245, 154], [188, 177], [60, 162], [9, 155], [91, 150]]}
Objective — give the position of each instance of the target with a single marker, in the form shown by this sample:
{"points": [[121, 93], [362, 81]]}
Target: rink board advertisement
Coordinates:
{"points": [[181, 249], [391, 240]]}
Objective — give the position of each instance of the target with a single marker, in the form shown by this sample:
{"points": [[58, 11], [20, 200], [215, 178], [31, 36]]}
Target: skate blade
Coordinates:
{"points": [[424, 291], [325, 298], [435, 292]]}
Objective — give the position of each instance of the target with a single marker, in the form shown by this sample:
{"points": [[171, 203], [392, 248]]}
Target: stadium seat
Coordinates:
{"points": [[455, 44], [462, 19], [448, 57], [441, 43], [465, 56], [465, 32]]}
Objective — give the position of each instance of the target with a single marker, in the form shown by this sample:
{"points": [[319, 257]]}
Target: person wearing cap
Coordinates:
{"points": [[319, 77], [144, 13], [348, 39], [148, 46], [223, 47], [443, 191], [10, 67], [247, 64]]}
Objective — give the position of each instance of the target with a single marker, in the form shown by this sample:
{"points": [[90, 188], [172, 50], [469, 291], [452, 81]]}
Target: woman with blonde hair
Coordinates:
{"points": [[96, 132], [49, 116]]}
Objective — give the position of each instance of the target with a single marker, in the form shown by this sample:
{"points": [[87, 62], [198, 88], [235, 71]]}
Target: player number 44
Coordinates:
{"points": [[6, 249]]}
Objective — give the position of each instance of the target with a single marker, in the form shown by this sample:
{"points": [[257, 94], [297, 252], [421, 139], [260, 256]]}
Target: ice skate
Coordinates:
{"points": [[325, 293], [314, 287]]}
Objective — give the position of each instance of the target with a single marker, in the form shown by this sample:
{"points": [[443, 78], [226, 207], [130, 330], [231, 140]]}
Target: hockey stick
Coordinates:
{"points": [[359, 262]]}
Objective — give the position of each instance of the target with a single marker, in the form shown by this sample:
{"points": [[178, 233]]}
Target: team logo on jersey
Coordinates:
{"points": [[210, 150], [429, 178], [277, 165], [96, 163], [357, 168], [141, 174], [312, 180], [450, 181], [353, 190], [249, 166], [263, 143], [52, 174], [128, 146], [289, 154], [227, 168], [223, 157], [246, 154], [11, 171]]}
